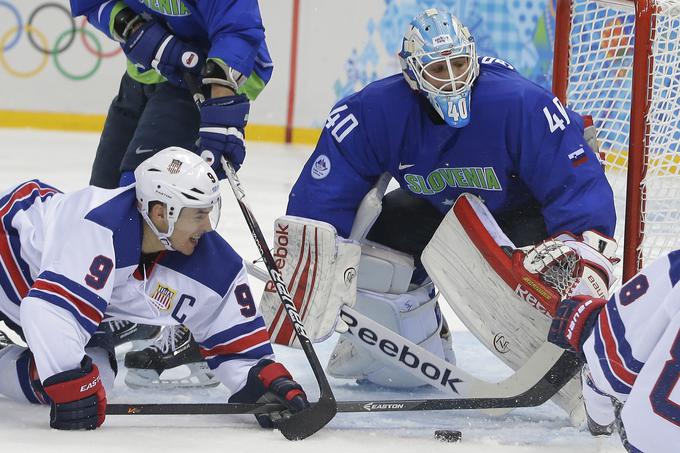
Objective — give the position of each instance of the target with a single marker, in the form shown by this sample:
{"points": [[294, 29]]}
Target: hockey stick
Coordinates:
{"points": [[308, 421], [550, 383], [397, 351]]}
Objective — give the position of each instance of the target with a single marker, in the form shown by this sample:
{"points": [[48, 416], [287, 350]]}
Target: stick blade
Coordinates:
{"points": [[308, 421]]}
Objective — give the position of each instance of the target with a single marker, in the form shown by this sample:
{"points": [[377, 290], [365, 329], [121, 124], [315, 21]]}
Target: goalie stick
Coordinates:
{"points": [[308, 421], [397, 350], [556, 375]]}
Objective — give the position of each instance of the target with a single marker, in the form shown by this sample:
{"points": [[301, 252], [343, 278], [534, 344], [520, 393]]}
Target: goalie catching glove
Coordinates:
{"points": [[572, 264], [270, 382]]}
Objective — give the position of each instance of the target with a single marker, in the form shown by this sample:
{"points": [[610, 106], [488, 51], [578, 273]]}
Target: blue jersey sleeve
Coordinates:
{"points": [[559, 168], [235, 32], [342, 169], [98, 12]]}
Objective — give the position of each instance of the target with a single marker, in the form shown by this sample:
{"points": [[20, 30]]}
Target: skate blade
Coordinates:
{"points": [[139, 379], [134, 345]]}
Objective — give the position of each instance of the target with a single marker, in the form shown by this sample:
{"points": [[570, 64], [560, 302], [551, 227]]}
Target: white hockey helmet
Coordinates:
{"points": [[435, 37], [179, 179]]}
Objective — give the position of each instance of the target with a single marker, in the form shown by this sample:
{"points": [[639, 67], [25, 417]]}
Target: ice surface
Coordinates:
{"points": [[64, 160]]}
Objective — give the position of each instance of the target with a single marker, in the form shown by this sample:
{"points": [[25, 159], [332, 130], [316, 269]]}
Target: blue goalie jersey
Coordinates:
{"points": [[522, 148]]}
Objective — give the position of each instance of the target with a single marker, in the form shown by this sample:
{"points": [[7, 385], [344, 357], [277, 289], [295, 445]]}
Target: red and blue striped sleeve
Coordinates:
{"points": [[248, 340], [617, 362], [86, 307]]}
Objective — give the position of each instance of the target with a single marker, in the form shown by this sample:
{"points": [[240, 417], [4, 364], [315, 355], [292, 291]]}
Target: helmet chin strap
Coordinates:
{"points": [[163, 237]]}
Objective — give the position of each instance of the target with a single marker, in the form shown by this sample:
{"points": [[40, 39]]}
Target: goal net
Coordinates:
{"points": [[619, 61]]}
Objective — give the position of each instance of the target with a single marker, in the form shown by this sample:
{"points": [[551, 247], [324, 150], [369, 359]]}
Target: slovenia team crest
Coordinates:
{"points": [[321, 167]]}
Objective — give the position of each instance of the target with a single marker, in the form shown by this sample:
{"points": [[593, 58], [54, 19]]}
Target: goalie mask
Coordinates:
{"points": [[438, 58], [179, 179]]}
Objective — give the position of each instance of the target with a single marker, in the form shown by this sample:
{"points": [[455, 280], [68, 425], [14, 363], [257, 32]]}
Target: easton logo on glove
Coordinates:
{"points": [[92, 384]]}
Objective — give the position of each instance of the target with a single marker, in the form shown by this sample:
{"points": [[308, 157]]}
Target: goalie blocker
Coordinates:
{"points": [[318, 266]]}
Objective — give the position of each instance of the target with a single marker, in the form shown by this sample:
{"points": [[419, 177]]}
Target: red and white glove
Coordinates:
{"points": [[78, 397], [270, 382], [574, 264]]}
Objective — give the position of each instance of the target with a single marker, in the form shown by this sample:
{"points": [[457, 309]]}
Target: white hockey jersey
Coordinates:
{"points": [[634, 355], [71, 260]]}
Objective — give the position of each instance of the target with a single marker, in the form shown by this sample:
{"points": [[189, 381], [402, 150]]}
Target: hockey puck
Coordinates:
{"points": [[448, 435]]}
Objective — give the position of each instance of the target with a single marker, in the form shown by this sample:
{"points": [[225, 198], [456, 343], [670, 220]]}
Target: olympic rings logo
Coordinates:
{"points": [[37, 39]]}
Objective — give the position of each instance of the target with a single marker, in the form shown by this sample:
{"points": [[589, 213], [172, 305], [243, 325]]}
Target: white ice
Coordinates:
{"points": [[64, 160]]}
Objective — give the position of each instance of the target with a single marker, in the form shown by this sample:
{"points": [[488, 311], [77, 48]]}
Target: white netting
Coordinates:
{"points": [[600, 84]]}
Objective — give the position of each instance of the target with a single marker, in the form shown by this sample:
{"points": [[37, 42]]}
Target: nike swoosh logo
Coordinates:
{"points": [[141, 150], [405, 166]]}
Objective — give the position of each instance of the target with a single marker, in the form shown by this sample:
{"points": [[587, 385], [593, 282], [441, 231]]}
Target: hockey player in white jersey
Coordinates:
{"points": [[147, 252], [632, 346]]}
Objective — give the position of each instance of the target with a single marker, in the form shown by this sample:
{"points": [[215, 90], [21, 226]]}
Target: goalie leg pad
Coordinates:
{"points": [[384, 270], [422, 325], [466, 262]]}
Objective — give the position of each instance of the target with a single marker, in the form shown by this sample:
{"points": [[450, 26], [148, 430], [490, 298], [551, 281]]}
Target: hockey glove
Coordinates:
{"points": [[573, 322], [574, 264], [152, 46], [78, 397], [270, 382], [223, 121]]}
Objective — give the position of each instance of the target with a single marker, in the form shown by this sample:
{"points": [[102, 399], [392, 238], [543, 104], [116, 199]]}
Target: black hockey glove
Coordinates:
{"points": [[270, 382], [78, 397]]}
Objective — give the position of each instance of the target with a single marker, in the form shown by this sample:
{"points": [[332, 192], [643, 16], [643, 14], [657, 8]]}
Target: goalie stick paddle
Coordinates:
{"points": [[397, 351], [308, 421], [550, 383]]}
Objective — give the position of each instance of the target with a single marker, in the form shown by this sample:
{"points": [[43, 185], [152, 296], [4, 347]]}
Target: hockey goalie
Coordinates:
{"points": [[503, 294], [452, 124]]}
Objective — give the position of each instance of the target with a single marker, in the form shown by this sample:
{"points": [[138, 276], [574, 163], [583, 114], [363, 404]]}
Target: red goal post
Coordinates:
{"points": [[619, 61]]}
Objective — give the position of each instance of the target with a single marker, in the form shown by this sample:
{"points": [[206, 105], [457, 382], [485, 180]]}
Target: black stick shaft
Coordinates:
{"points": [[277, 278], [319, 415], [560, 373]]}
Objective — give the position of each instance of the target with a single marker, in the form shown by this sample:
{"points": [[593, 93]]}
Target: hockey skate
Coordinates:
{"points": [[173, 348], [139, 334]]}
